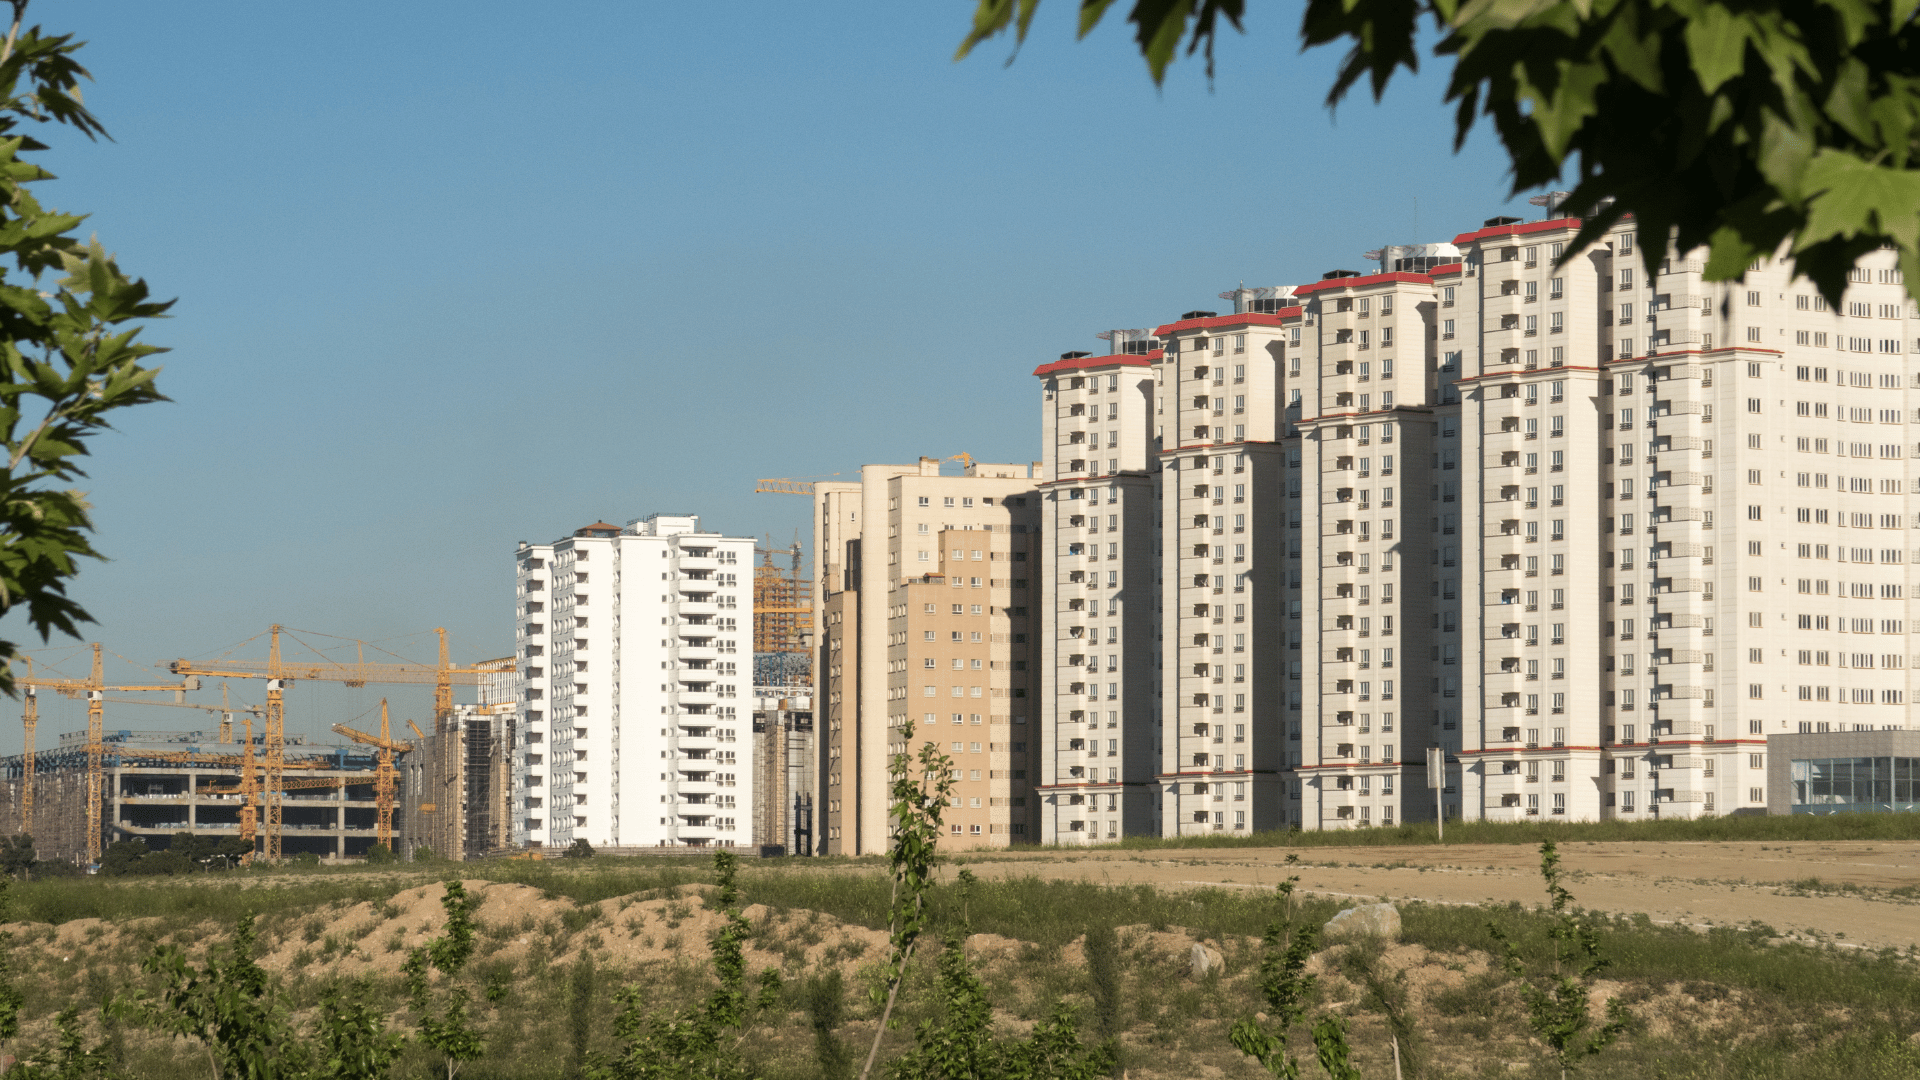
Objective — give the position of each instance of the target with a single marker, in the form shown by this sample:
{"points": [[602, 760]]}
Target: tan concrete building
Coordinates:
{"points": [[924, 603]]}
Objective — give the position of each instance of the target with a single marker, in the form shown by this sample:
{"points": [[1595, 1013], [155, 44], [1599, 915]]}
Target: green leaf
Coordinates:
{"points": [[1850, 197], [1717, 43]]}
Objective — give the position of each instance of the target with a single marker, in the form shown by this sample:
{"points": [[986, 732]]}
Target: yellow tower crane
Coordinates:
{"points": [[279, 672], [95, 687], [387, 749]]}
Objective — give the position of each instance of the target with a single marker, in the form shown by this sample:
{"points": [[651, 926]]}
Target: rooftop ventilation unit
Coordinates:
{"points": [[1494, 222], [1200, 315], [1073, 355]]}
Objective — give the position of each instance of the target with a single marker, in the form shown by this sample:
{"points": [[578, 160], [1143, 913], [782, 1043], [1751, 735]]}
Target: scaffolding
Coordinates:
{"points": [[457, 782], [782, 619]]}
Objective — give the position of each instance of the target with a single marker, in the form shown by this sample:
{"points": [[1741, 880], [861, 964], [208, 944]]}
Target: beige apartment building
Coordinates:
{"points": [[1736, 497], [1594, 532], [925, 607]]}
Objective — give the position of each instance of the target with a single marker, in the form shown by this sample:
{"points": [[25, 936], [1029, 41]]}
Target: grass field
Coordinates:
{"points": [[1805, 828], [1735, 1002]]}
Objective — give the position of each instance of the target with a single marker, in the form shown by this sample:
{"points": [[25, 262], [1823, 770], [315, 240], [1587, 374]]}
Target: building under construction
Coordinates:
{"points": [[458, 792], [783, 778], [782, 619], [783, 708], [290, 795], [158, 783]]}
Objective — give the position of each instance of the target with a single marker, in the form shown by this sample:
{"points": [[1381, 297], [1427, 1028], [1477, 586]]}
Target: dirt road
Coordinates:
{"points": [[1697, 884]]}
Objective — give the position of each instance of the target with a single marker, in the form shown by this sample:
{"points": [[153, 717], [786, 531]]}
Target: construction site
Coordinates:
{"points": [[242, 775], [446, 787], [783, 783]]}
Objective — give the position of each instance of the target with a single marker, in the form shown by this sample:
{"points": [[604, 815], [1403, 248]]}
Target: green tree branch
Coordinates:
{"points": [[1745, 127]]}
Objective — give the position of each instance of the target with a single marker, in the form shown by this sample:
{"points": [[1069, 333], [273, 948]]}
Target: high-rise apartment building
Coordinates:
{"points": [[1592, 531], [635, 650], [1097, 744], [924, 609], [1717, 552], [1279, 591]]}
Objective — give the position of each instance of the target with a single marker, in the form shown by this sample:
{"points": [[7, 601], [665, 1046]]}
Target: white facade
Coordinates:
{"points": [[664, 755]]}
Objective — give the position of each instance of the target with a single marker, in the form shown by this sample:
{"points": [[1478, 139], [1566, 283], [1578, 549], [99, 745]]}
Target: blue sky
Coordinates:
{"points": [[452, 276]]}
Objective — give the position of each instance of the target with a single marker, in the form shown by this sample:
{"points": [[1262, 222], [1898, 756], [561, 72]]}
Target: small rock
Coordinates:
{"points": [[1203, 960], [1368, 920]]}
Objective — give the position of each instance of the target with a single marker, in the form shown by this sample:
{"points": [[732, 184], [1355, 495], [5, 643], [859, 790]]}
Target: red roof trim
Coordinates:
{"points": [[1525, 372], [1445, 270], [1525, 228], [1080, 363], [1366, 279], [1247, 318], [1739, 348]]}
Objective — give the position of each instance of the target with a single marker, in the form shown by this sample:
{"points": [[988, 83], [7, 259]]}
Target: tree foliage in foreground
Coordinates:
{"points": [[229, 1006], [702, 1042], [1288, 990], [1557, 1008], [1739, 125], [448, 1029], [68, 358], [959, 1044]]}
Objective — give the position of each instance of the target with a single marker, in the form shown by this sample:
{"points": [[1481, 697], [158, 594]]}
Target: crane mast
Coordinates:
{"points": [[276, 747], [383, 786], [96, 733], [28, 721], [249, 792]]}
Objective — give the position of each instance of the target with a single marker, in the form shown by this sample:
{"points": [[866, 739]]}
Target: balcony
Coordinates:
{"points": [[684, 697], [1681, 418], [686, 607], [705, 743], [684, 653], [1671, 517], [695, 827], [1503, 783], [696, 562]]}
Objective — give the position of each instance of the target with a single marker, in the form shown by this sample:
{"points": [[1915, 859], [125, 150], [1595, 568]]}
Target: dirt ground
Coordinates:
{"points": [[1698, 884]]}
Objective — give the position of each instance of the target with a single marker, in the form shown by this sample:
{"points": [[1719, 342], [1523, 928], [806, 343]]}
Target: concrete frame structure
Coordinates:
{"points": [[786, 766], [150, 794], [457, 797], [634, 763], [896, 654]]}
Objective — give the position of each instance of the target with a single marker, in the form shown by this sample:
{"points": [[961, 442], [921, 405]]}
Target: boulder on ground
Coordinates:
{"points": [[1203, 960], [1368, 920]]}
